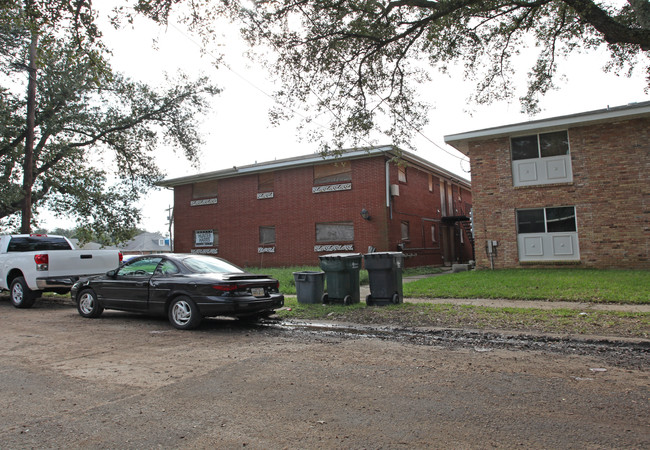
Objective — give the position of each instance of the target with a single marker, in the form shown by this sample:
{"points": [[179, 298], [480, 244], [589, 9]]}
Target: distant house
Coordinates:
{"points": [[146, 244], [291, 211], [91, 245], [566, 190]]}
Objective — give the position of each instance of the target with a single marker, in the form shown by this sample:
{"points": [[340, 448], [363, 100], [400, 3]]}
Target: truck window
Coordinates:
{"points": [[37, 244]]}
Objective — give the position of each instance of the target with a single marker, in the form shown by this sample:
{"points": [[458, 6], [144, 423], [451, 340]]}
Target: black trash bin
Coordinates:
{"points": [[385, 276], [309, 286], [342, 274]]}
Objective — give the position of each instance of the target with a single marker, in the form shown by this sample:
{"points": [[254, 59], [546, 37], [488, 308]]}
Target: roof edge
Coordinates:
{"points": [[628, 111]]}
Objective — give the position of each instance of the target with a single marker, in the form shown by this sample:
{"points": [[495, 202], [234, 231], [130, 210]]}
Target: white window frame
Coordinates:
{"points": [[542, 170], [548, 246]]}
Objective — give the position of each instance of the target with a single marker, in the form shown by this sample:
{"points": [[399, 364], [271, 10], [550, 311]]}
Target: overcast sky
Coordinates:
{"points": [[237, 130]]}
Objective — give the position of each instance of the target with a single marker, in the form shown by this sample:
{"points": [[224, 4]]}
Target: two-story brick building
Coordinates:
{"points": [[566, 190], [290, 211]]}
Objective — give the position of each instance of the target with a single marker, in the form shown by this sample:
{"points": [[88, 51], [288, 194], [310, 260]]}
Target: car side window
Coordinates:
{"points": [[139, 268], [167, 268]]}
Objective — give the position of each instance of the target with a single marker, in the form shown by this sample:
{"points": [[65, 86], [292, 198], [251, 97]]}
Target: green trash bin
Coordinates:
{"points": [[385, 276], [342, 274], [309, 286]]}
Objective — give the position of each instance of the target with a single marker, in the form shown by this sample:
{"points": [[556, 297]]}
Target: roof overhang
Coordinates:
{"points": [[633, 110], [309, 160]]}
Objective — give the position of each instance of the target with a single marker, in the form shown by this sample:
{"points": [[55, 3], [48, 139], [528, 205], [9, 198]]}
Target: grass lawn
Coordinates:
{"points": [[598, 286]]}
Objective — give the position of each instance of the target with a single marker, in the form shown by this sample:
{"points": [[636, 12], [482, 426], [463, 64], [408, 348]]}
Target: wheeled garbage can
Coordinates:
{"points": [[309, 286], [385, 276], [342, 275]]}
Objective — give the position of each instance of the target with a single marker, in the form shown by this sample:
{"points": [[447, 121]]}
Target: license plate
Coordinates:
{"points": [[257, 292]]}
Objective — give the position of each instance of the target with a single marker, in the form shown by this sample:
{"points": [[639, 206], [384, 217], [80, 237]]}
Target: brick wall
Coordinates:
{"points": [[294, 210], [610, 191]]}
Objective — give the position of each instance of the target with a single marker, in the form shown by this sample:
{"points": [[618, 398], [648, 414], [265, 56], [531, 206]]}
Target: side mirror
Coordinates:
{"points": [[111, 273]]}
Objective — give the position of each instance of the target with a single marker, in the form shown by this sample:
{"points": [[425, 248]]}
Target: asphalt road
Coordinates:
{"points": [[125, 381]]}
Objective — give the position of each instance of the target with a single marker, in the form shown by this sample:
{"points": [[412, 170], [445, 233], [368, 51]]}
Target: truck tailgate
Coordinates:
{"points": [[82, 262]]}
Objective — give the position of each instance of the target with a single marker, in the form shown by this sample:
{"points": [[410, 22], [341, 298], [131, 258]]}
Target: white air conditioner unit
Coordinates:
{"points": [[394, 190]]}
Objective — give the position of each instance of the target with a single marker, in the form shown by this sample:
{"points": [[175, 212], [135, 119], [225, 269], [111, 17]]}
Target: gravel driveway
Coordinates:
{"points": [[126, 381]]}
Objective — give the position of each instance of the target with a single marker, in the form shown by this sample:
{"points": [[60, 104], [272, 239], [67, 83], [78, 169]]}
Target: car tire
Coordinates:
{"points": [[88, 305], [21, 295], [183, 313]]}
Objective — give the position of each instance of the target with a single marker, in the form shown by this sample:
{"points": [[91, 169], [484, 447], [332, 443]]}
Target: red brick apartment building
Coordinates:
{"points": [[566, 190], [288, 212]]}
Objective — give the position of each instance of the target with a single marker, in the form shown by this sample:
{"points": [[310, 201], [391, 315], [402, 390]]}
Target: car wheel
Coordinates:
{"points": [[183, 313], [88, 305], [21, 295]]}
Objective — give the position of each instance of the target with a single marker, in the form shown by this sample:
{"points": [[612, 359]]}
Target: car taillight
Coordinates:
{"points": [[225, 287], [42, 262], [121, 256]]}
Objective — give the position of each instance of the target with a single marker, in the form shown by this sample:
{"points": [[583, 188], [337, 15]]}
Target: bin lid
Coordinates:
{"points": [[340, 256], [382, 254]]}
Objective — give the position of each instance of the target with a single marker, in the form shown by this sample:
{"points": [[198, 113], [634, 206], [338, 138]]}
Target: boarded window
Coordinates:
{"points": [[434, 233], [406, 232], [332, 173], [206, 238], [265, 182], [430, 183], [204, 189], [267, 235], [335, 232], [401, 174]]}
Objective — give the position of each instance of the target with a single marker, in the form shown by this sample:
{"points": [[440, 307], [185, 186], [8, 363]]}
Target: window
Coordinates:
{"points": [[332, 173], [405, 231], [37, 244], [541, 159], [547, 234], [267, 235], [335, 232], [401, 174], [140, 268], [540, 145], [265, 182], [430, 183], [204, 189], [547, 220], [167, 268], [434, 233], [206, 238]]}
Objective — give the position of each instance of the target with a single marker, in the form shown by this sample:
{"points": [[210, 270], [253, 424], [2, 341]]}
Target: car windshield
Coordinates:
{"points": [[208, 264]]}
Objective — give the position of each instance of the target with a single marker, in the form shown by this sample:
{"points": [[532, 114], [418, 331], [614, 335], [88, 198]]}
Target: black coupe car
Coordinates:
{"points": [[185, 287]]}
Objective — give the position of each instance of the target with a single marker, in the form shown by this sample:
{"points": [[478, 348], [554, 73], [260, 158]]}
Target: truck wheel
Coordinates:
{"points": [[21, 295], [88, 305]]}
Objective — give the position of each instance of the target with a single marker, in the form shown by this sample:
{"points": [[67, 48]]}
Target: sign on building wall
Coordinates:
{"points": [[204, 238]]}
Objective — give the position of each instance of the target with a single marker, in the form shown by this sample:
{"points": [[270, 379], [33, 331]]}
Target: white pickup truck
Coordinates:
{"points": [[31, 263]]}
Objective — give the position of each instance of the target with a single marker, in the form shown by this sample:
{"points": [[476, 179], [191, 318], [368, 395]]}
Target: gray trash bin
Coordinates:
{"points": [[309, 286], [385, 276], [342, 273]]}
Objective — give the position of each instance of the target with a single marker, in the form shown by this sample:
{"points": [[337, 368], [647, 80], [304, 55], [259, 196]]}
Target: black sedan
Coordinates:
{"points": [[185, 287]]}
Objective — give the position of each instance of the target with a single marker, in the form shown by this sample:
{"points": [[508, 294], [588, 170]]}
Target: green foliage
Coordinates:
{"points": [[96, 130], [621, 286], [360, 61]]}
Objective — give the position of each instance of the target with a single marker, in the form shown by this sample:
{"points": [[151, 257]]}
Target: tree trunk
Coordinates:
{"points": [[28, 169]]}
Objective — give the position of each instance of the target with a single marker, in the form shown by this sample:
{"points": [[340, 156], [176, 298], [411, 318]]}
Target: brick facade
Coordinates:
{"points": [[610, 191], [294, 210]]}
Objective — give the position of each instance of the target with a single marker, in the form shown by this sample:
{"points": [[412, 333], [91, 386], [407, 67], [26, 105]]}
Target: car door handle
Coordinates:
{"points": [[154, 283], [141, 283]]}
